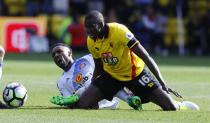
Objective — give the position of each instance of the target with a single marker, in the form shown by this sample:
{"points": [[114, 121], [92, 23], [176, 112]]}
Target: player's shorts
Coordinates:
{"points": [[108, 85], [141, 86]]}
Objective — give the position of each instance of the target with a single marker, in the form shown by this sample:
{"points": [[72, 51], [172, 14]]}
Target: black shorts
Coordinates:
{"points": [[108, 85], [141, 86]]}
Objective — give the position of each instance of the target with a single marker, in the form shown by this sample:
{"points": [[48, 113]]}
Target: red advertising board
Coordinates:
{"points": [[15, 36]]}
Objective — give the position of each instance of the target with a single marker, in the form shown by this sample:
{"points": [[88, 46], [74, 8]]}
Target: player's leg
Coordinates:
{"points": [[128, 97], [109, 104], [148, 89], [90, 97], [171, 104], [2, 53], [104, 87], [164, 100]]}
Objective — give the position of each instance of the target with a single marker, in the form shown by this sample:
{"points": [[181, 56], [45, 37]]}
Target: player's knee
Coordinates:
{"points": [[2, 51], [163, 99], [168, 104], [90, 97], [169, 107]]}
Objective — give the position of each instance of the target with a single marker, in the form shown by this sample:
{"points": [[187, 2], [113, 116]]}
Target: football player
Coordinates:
{"points": [[77, 77], [2, 53]]}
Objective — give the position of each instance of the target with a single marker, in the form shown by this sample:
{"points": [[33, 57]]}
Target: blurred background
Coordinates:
{"points": [[164, 27]]}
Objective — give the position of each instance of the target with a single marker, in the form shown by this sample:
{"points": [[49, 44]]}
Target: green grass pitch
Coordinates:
{"points": [[37, 72]]}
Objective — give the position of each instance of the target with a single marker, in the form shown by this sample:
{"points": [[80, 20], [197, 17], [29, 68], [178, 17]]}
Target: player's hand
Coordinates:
{"points": [[64, 101], [175, 93], [165, 88]]}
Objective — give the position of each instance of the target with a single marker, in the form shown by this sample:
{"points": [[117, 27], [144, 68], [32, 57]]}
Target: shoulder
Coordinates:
{"points": [[87, 60], [87, 57], [90, 42], [89, 39], [120, 31], [117, 26]]}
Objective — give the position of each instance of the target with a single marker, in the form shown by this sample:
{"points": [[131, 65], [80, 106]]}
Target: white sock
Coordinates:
{"points": [[123, 95]]}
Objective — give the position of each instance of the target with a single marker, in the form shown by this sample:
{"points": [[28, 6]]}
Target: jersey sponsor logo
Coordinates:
{"points": [[85, 78], [78, 78], [109, 58]]}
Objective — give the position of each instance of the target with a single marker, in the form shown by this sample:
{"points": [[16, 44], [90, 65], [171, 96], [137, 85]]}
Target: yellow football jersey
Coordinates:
{"points": [[114, 50]]}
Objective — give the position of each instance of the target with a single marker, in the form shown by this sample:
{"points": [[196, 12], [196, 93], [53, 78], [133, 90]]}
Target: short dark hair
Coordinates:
{"points": [[61, 44], [95, 15]]}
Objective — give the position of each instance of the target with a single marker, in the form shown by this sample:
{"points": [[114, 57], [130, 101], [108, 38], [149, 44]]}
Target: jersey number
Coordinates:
{"points": [[146, 80]]}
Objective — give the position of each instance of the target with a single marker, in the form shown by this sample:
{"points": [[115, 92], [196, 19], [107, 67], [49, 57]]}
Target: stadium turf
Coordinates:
{"points": [[37, 72]]}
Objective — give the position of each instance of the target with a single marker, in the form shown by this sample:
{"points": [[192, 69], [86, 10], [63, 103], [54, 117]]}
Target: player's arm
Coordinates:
{"points": [[98, 68], [139, 50]]}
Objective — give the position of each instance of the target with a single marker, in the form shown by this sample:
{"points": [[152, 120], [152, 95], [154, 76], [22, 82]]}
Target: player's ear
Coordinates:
{"points": [[101, 25], [70, 52]]}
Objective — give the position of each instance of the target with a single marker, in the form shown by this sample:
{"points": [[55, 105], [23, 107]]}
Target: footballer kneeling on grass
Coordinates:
{"points": [[120, 62]]}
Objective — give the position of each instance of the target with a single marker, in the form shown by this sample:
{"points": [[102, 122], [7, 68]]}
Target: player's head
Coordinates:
{"points": [[62, 55], [94, 24]]}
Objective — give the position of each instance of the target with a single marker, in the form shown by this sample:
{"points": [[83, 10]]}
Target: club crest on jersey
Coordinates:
{"points": [[109, 58], [78, 78], [81, 79]]}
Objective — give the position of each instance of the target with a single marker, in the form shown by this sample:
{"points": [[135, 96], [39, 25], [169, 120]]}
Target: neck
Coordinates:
{"points": [[69, 65], [101, 34], [104, 33]]}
